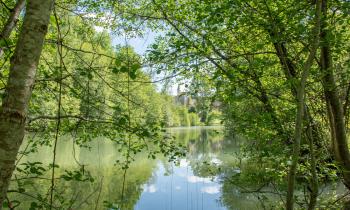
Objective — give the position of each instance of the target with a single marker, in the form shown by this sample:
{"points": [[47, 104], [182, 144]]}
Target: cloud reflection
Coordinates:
{"points": [[196, 179], [183, 163], [211, 190], [150, 189]]}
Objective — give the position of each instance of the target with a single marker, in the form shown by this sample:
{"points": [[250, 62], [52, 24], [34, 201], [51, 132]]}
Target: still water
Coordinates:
{"points": [[150, 184], [183, 186]]}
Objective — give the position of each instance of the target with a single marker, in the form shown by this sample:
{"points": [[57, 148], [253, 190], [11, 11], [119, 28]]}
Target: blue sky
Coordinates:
{"points": [[139, 44]]}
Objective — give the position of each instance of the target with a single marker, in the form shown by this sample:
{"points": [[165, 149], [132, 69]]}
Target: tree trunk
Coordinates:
{"points": [[290, 73], [314, 178], [19, 87], [300, 108], [11, 22], [335, 115]]}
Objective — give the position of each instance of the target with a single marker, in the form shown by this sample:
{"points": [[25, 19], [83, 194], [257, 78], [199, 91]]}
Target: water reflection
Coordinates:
{"points": [[150, 184], [181, 189]]}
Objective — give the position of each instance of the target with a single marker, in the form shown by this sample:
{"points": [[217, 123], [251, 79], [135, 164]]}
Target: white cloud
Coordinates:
{"points": [[177, 188]]}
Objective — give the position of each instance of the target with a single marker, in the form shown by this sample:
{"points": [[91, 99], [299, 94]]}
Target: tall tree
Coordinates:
{"points": [[333, 101], [23, 68], [300, 110]]}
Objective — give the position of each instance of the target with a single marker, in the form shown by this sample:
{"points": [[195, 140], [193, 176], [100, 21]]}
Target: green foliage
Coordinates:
{"points": [[194, 119], [34, 168], [226, 53], [105, 93], [215, 118], [77, 176], [184, 116]]}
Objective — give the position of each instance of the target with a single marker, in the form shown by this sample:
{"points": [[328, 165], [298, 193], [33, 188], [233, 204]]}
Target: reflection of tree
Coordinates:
{"points": [[137, 175], [205, 145], [199, 140], [84, 195], [213, 155], [233, 198], [168, 170]]}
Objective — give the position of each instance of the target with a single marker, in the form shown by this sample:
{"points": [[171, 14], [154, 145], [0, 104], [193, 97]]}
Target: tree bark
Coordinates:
{"points": [[11, 22], [335, 114], [23, 67], [300, 108]]}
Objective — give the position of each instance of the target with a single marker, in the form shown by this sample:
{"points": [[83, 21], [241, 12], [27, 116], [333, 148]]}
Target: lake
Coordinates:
{"points": [[150, 184]]}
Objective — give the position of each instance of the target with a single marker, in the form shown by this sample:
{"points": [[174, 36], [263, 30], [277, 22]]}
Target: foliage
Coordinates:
{"points": [[239, 61]]}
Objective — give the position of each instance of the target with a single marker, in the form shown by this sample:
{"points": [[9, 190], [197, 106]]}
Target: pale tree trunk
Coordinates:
{"points": [[300, 108], [11, 22], [19, 86], [335, 113]]}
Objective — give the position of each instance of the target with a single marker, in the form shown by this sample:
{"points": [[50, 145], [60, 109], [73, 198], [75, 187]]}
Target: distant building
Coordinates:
{"points": [[183, 99]]}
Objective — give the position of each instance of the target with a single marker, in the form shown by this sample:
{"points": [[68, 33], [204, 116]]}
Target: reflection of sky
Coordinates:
{"points": [[181, 190]]}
